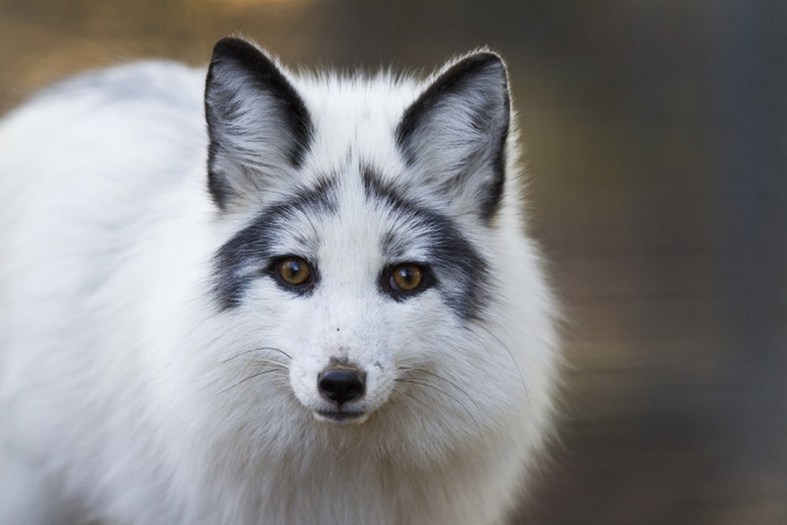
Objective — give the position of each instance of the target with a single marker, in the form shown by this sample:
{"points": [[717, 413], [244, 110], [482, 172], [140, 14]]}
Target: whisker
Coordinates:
{"points": [[429, 411], [454, 398], [513, 359], [408, 394], [427, 372], [259, 349], [270, 362], [253, 376]]}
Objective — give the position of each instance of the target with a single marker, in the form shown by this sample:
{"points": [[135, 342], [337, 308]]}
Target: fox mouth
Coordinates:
{"points": [[341, 417]]}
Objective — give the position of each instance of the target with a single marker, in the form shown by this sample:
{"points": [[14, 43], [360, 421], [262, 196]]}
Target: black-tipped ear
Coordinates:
{"points": [[258, 126], [454, 135]]}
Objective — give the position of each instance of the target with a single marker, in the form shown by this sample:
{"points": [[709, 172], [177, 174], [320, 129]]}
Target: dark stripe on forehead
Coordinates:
{"points": [[461, 271], [251, 247]]}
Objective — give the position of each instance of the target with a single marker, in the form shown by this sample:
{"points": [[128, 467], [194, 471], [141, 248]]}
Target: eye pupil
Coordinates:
{"points": [[294, 271], [407, 277]]}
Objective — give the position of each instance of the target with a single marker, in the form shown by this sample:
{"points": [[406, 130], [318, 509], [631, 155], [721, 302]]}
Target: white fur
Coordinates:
{"points": [[116, 369]]}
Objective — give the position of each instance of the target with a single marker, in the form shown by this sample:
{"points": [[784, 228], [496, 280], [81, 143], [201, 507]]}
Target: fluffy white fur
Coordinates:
{"points": [[122, 392]]}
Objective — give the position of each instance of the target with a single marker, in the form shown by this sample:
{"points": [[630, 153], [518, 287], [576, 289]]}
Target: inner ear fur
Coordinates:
{"points": [[258, 125], [454, 135]]}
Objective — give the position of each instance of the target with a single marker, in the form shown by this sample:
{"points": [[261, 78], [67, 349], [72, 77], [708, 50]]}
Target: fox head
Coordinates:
{"points": [[367, 274]]}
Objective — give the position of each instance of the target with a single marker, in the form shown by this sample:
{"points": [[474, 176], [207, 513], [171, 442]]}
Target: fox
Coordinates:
{"points": [[243, 294]]}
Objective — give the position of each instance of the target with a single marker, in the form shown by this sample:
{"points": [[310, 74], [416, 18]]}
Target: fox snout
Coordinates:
{"points": [[342, 391], [341, 384]]}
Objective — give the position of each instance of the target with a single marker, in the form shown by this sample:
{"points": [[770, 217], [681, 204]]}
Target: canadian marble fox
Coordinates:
{"points": [[269, 298]]}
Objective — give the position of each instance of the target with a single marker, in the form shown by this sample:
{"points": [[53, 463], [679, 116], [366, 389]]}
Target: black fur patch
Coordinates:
{"points": [[456, 81], [450, 253], [252, 246], [384, 283], [266, 77]]}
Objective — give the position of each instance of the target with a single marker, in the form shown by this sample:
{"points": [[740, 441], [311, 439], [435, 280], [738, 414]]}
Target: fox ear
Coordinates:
{"points": [[454, 135], [258, 126]]}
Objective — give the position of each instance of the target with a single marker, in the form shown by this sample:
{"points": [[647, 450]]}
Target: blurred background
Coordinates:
{"points": [[656, 136]]}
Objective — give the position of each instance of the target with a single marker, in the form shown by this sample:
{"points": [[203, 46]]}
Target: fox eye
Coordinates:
{"points": [[407, 277], [294, 271]]}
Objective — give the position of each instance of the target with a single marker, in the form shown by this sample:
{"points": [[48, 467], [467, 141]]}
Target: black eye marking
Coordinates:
{"points": [[404, 280], [451, 255], [293, 273], [253, 247]]}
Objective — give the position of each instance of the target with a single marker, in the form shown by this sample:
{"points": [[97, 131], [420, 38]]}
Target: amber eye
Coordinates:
{"points": [[406, 277], [294, 271]]}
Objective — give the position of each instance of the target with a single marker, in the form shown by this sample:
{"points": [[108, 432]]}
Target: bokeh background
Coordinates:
{"points": [[656, 135]]}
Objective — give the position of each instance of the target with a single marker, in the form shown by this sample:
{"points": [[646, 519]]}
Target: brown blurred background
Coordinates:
{"points": [[656, 137]]}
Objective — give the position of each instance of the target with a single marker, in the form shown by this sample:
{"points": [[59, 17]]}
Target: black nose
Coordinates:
{"points": [[341, 385]]}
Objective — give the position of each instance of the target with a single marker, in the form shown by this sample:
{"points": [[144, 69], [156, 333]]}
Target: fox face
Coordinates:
{"points": [[363, 271]]}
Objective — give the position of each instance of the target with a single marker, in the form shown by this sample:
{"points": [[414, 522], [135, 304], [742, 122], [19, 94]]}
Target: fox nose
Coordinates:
{"points": [[341, 385]]}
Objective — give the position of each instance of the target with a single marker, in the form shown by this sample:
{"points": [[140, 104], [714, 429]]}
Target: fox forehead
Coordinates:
{"points": [[354, 117]]}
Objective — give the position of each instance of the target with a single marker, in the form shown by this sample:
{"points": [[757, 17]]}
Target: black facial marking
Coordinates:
{"points": [[264, 76], [486, 120], [252, 247], [385, 286], [451, 255]]}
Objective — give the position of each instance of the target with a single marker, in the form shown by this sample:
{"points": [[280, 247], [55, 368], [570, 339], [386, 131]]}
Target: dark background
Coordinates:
{"points": [[656, 136]]}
